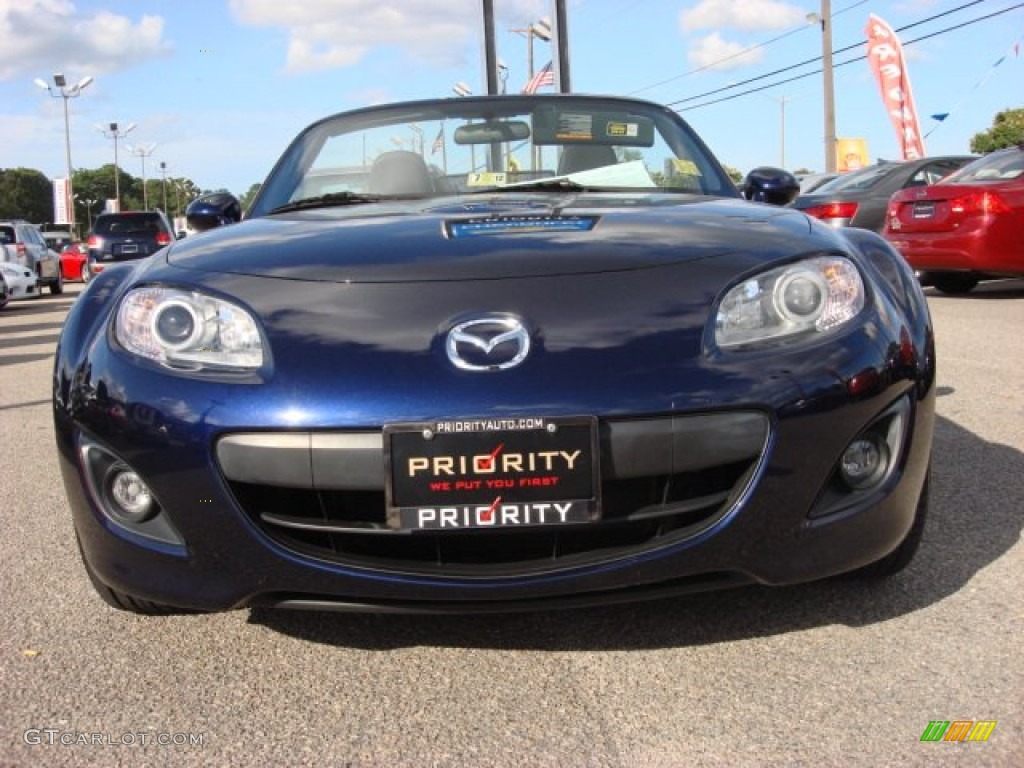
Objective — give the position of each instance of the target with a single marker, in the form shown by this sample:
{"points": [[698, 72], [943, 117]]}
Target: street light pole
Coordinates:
{"points": [[462, 89], [163, 182], [116, 133], [66, 92], [143, 152], [89, 203], [541, 29], [782, 127]]}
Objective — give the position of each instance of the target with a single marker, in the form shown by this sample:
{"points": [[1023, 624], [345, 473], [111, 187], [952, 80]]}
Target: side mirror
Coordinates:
{"points": [[770, 185]]}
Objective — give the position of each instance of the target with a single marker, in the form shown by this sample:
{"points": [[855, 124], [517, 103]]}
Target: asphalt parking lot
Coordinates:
{"points": [[838, 673]]}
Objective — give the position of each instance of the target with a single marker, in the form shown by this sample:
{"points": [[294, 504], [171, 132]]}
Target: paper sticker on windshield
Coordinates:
{"points": [[486, 179], [575, 127], [619, 130]]}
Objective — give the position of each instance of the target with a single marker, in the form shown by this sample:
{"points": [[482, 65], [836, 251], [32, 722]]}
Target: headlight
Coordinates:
{"points": [[811, 296], [188, 330]]}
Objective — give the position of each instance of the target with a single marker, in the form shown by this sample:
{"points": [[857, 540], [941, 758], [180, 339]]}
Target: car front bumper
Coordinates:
{"points": [[778, 516]]}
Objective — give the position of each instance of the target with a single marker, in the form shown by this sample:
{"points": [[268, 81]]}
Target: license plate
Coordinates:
{"points": [[924, 210], [506, 473], [129, 248]]}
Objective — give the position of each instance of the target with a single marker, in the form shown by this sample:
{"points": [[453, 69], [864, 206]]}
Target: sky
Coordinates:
{"points": [[217, 89]]}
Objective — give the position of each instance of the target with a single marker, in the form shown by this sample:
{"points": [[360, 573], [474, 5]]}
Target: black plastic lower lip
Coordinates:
{"points": [[691, 585]]}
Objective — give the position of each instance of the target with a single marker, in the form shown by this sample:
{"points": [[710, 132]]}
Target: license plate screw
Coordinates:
{"points": [[428, 434], [552, 428]]}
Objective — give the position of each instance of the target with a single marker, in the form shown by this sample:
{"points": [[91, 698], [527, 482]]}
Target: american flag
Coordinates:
{"points": [[546, 76], [438, 142]]}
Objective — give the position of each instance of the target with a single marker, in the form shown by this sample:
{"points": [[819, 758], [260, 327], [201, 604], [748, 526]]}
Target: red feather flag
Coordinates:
{"points": [[885, 55]]}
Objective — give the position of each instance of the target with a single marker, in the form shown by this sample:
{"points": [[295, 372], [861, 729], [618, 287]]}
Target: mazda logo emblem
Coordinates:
{"points": [[489, 343]]}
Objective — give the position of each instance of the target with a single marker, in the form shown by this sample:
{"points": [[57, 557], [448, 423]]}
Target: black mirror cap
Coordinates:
{"points": [[770, 185], [214, 209]]}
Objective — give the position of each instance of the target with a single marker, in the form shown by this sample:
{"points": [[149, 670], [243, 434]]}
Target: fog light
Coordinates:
{"points": [[131, 497], [865, 462]]}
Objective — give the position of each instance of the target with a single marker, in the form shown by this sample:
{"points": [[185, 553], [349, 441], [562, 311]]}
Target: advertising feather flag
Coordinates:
{"points": [[885, 54]]}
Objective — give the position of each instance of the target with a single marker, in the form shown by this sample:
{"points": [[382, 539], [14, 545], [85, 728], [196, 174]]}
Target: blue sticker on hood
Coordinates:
{"points": [[502, 225]]}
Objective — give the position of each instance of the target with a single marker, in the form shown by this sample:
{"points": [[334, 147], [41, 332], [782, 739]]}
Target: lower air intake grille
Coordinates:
{"points": [[698, 468]]}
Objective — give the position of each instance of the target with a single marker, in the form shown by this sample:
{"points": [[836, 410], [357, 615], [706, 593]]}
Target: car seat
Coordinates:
{"points": [[400, 173]]}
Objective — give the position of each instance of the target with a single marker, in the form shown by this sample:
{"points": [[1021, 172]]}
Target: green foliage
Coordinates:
{"points": [[735, 174], [246, 199], [25, 194], [1007, 131]]}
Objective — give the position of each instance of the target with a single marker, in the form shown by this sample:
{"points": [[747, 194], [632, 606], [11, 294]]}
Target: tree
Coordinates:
{"points": [[246, 199], [25, 193], [1007, 131], [98, 185], [734, 173]]}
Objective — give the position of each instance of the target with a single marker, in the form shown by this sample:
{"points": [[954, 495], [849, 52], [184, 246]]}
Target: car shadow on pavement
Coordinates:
{"points": [[974, 519], [1012, 288]]}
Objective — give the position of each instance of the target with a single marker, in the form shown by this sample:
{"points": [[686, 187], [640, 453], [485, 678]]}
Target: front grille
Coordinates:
{"points": [[639, 512]]}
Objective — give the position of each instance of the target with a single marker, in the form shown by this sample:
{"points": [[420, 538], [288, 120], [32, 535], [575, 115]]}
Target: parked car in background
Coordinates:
{"points": [[22, 282], [859, 198], [616, 379], [23, 244], [967, 227], [73, 262], [127, 236], [812, 181], [4, 291], [58, 239]]}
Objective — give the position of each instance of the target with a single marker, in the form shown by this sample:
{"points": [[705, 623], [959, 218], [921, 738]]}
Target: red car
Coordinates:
{"points": [[73, 261], [967, 227]]}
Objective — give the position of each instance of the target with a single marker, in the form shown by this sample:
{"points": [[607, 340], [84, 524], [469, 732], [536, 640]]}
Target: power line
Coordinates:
{"points": [[777, 83], [764, 44], [813, 59]]}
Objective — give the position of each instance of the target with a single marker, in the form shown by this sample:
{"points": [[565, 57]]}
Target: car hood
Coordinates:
{"points": [[493, 237]]}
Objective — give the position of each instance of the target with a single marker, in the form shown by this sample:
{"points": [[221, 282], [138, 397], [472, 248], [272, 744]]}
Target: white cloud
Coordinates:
{"points": [[742, 14], [329, 34], [713, 52], [32, 30]]}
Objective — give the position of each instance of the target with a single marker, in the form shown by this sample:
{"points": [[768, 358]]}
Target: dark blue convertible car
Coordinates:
{"points": [[494, 354]]}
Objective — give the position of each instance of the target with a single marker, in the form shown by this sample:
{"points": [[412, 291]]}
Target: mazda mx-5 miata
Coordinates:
{"points": [[494, 354]]}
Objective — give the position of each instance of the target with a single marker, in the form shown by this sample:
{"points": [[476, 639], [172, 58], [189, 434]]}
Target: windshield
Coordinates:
{"points": [[491, 144], [997, 166], [865, 178], [128, 224]]}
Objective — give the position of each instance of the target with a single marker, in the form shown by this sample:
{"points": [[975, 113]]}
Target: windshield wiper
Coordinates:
{"points": [[326, 201]]}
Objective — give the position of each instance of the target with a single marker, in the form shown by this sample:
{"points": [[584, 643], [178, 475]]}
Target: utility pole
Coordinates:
{"points": [[562, 47], [828, 85]]}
